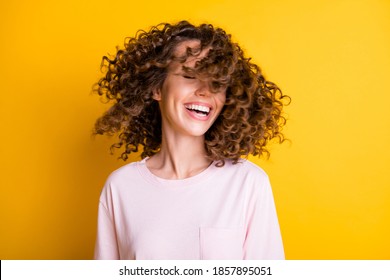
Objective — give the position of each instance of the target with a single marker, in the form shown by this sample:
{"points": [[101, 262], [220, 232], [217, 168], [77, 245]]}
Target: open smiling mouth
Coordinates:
{"points": [[198, 109]]}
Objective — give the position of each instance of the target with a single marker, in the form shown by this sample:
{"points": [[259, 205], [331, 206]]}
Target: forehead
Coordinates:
{"points": [[182, 47], [181, 51]]}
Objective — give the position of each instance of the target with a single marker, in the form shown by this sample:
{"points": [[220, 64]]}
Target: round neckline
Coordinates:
{"points": [[193, 180]]}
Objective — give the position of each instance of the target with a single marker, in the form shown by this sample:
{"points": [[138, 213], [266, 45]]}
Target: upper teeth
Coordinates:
{"points": [[198, 108]]}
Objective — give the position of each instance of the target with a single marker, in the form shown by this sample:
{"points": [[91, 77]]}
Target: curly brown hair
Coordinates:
{"points": [[250, 118]]}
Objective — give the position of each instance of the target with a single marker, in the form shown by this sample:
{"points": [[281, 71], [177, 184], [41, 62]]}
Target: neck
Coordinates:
{"points": [[180, 157]]}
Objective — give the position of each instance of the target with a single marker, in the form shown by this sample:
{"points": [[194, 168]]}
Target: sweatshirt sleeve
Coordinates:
{"points": [[106, 247], [263, 238]]}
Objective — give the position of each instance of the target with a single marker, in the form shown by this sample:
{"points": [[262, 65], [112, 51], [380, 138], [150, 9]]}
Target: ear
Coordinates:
{"points": [[157, 94]]}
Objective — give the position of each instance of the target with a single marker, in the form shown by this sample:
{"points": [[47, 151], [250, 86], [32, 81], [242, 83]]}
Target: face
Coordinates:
{"points": [[186, 103]]}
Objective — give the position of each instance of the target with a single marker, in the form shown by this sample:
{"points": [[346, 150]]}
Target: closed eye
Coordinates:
{"points": [[188, 77]]}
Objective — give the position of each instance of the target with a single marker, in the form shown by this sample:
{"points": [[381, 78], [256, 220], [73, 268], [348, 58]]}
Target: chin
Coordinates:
{"points": [[197, 132]]}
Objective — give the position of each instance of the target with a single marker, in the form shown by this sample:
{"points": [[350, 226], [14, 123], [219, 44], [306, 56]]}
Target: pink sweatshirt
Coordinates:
{"points": [[221, 213]]}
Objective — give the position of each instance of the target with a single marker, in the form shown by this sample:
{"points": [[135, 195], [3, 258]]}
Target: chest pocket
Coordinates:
{"points": [[221, 243]]}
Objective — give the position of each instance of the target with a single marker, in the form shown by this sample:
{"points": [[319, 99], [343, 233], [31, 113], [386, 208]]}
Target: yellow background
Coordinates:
{"points": [[331, 183]]}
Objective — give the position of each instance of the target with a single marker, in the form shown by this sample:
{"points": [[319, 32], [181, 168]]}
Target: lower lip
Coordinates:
{"points": [[197, 116]]}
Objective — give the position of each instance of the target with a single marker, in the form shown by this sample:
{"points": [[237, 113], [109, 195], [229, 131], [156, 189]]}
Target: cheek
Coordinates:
{"points": [[221, 99]]}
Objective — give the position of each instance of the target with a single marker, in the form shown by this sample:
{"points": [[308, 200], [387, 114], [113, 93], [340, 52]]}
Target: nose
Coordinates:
{"points": [[203, 89]]}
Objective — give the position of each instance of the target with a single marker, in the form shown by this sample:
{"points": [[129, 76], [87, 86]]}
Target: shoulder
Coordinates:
{"points": [[251, 167], [125, 173], [255, 181], [123, 177], [123, 180], [246, 168], [244, 176]]}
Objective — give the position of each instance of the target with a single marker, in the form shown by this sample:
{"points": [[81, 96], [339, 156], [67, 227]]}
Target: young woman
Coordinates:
{"points": [[197, 106]]}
